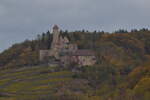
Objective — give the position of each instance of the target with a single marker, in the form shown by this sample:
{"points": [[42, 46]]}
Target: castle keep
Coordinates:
{"points": [[64, 53]]}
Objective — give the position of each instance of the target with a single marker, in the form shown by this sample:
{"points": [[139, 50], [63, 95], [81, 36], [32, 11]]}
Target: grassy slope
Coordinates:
{"points": [[30, 83]]}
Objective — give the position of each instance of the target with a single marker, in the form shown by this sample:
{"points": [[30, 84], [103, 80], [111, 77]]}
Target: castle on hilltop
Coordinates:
{"points": [[64, 53]]}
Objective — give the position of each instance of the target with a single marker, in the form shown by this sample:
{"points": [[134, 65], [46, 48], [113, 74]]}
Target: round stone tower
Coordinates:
{"points": [[56, 33]]}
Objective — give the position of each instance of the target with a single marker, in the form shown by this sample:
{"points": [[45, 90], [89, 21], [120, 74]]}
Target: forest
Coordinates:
{"points": [[122, 71]]}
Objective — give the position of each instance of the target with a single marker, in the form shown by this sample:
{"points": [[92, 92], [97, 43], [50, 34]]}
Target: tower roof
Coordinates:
{"points": [[55, 27]]}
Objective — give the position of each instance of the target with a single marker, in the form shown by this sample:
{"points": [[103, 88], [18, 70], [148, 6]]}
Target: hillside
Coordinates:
{"points": [[121, 73], [31, 83]]}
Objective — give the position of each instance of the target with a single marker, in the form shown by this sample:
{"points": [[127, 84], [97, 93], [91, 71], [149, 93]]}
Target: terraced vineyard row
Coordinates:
{"points": [[30, 83]]}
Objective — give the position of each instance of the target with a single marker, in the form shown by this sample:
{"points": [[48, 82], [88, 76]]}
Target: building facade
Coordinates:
{"points": [[66, 53]]}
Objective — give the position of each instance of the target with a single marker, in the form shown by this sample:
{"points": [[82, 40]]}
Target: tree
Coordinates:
{"points": [[121, 31]]}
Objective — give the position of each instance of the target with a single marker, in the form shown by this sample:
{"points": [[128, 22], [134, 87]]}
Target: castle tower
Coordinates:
{"points": [[56, 33]]}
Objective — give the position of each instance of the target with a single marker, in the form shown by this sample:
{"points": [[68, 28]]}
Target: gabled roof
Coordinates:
{"points": [[84, 52]]}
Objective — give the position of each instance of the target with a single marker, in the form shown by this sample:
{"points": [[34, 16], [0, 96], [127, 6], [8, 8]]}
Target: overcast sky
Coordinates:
{"points": [[24, 19]]}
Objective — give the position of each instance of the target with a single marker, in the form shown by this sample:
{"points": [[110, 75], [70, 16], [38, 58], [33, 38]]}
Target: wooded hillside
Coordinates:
{"points": [[121, 73]]}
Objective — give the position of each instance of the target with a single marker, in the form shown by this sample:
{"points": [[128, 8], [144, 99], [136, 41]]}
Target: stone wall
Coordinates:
{"points": [[44, 54]]}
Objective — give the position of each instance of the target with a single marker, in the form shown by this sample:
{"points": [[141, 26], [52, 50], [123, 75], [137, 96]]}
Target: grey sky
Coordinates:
{"points": [[24, 19]]}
